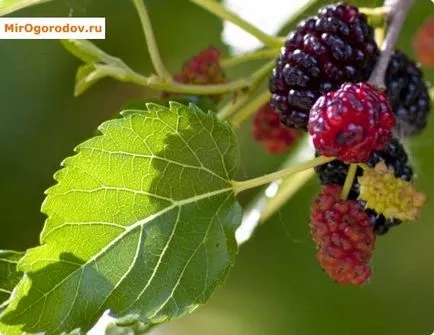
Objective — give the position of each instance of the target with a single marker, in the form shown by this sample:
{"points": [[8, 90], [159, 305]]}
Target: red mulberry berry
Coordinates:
{"points": [[351, 123], [396, 159], [343, 236], [424, 43], [268, 131], [408, 94], [326, 50], [203, 69]]}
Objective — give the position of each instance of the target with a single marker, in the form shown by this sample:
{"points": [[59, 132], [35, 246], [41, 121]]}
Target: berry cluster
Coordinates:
{"points": [[395, 158], [325, 51], [319, 84]]}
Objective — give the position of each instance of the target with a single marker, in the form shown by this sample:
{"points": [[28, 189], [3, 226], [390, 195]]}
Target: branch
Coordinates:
{"points": [[250, 56], [398, 10], [219, 10], [150, 39]]}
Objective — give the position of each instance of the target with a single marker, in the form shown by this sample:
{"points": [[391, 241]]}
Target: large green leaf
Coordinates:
{"points": [[141, 222], [9, 6], [9, 277]]}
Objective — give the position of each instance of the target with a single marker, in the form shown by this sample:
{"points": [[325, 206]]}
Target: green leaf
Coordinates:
{"points": [[9, 6], [86, 76], [9, 276], [142, 222], [87, 51], [203, 102], [98, 64]]}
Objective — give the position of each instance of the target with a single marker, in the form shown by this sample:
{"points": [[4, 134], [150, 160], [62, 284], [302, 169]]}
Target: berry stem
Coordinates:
{"points": [[230, 108], [364, 166], [250, 56], [222, 12], [266, 205], [379, 35], [349, 180], [398, 11], [150, 40], [240, 186], [277, 193], [431, 93], [287, 189], [375, 12], [250, 108]]}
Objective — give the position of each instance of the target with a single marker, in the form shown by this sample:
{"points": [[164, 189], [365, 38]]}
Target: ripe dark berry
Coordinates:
{"points": [[396, 159], [343, 235], [351, 123], [268, 131], [202, 69], [408, 93], [335, 46]]}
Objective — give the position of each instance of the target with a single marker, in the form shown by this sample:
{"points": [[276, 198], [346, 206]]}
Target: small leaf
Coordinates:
{"points": [[89, 74], [9, 6], [86, 51], [142, 223], [86, 76], [9, 276]]}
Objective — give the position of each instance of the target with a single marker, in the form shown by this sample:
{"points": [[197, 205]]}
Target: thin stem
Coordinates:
{"points": [[234, 105], [150, 39], [250, 108], [379, 35], [398, 11], [240, 186], [364, 166], [249, 56], [287, 189], [219, 10], [229, 87], [349, 180], [256, 78], [376, 11]]}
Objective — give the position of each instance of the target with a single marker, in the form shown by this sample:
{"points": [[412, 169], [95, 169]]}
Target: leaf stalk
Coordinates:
{"points": [[240, 186]]}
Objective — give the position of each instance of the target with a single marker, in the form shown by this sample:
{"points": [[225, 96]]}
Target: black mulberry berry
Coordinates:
{"points": [[326, 50], [408, 94]]}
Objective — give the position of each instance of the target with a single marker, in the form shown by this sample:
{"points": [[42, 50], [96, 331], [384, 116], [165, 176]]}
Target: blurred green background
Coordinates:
{"points": [[277, 286]]}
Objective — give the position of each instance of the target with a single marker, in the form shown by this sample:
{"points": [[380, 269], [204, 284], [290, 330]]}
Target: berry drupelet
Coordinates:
{"points": [[408, 94], [335, 46], [396, 159], [268, 131], [351, 123], [343, 235]]}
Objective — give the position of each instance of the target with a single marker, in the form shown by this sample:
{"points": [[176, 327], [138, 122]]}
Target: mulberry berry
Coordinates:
{"points": [[326, 50], [202, 69], [351, 123], [408, 94], [268, 131], [423, 43], [395, 158], [343, 235], [390, 196]]}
